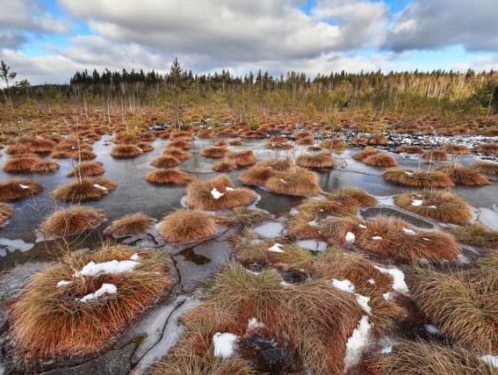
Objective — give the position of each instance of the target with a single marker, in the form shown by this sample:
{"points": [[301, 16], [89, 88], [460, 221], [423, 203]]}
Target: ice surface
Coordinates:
{"points": [[269, 229]]}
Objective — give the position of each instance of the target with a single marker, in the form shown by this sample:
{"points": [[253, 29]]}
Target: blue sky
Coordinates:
{"points": [[48, 40]]}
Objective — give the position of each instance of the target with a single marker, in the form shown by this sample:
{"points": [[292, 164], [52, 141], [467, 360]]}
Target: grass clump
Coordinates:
{"points": [[184, 225], [164, 176], [6, 212], [242, 158], [131, 224], [87, 169], [409, 149], [125, 151], [455, 149], [71, 221], [50, 319], [461, 175], [295, 181], [365, 153], [442, 206], [476, 234], [84, 189], [21, 163], [419, 179], [177, 153], [435, 155], [17, 188], [486, 167], [165, 162], [45, 166], [224, 165], [322, 160], [380, 159], [214, 152]]}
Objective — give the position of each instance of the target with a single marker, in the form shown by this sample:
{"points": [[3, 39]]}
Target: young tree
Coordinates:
{"points": [[7, 76]]}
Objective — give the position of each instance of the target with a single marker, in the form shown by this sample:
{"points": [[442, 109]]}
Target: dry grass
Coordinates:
{"points": [[18, 149], [334, 144], [334, 230], [165, 162], [179, 143], [85, 189], [45, 166], [130, 224], [408, 149], [60, 154], [423, 358], [419, 179], [72, 220], [16, 188], [51, 321], [486, 167], [40, 145], [235, 142], [21, 163], [305, 141], [387, 237], [365, 153], [435, 155], [184, 135], [125, 151], [303, 226], [214, 152], [183, 225], [145, 147], [295, 181], [477, 235], [244, 218], [461, 175], [177, 153], [259, 174], [242, 158], [253, 134], [200, 194], [83, 155], [487, 148], [455, 149], [377, 139], [322, 160], [438, 205], [87, 169], [272, 145], [461, 304], [125, 138], [224, 166], [381, 159], [168, 176], [6, 212]]}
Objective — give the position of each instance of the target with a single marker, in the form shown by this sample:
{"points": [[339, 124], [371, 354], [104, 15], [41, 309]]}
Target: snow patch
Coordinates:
{"points": [[417, 202], [100, 187], [63, 283], [253, 323], [432, 329], [216, 194], [269, 230], [104, 289], [344, 285], [357, 343], [376, 238], [276, 248], [113, 266], [408, 231], [350, 237], [490, 359], [363, 302], [224, 344], [398, 276], [23, 186]]}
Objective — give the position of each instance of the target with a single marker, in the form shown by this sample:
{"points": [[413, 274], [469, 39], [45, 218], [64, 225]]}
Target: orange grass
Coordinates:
{"points": [[45, 166], [87, 169], [420, 179], [16, 188], [456, 149], [224, 165], [84, 189], [130, 224], [51, 321], [179, 143], [319, 161], [72, 220], [408, 149], [214, 152], [168, 176], [486, 167], [125, 151], [242, 158], [145, 147], [165, 162], [381, 159], [21, 163], [6, 212], [435, 155], [365, 153], [184, 225], [177, 153], [487, 148], [295, 181], [83, 155], [461, 175]]}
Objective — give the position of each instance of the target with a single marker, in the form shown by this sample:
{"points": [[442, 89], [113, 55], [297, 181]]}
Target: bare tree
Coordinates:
{"points": [[7, 76]]}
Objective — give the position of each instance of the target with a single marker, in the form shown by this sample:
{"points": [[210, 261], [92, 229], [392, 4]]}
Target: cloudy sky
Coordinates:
{"points": [[47, 41]]}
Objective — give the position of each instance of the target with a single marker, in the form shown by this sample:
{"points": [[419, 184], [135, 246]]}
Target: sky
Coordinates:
{"points": [[47, 41]]}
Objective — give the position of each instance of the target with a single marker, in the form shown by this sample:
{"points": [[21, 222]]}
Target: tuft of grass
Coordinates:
{"points": [[322, 160], [245, 218], [21, 163], [6, 212], [295, 181], [130, 224], [303, 225], [45, 166], [214, 152], [455, 149], [487, 148], [423, 358], [184, 225], [242, 158], [334, 230], [60, 154], [83, 154], [165, 162], [408, 149], [385, 236], [420, 179], [461, 304], [273, 145], [180, 143], [17, 188], [177, 153], [87, 169], [224, 165], [51, 321], [184, 135], [257, 175], [377, 139], [168, 176], [84, 190], [442, 206], [40, 145], [380, 159], [461, 175], [365, 153], [235, 142], [435, 155], [145, 146], [125, 151], [72, 220], [486, 167], [18, 149], [476, 234], [199, 194]]}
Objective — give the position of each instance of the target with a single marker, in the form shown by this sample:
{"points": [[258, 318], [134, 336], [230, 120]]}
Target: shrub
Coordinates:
{"points": [[183, 225], [72, 220], [438, 205], [319, 161], [17, 188], [380, 160], [168, 176], [420, 179], [84, 189], [87, 169], [50, 320], [130, 224], [461, 175], [125, 151]]}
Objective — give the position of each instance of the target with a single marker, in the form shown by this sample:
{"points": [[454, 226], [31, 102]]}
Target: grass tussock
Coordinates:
{"points": [[21, 163], [461, 304], [438, 205], [272, 145], [377, 139], [224, 166], [125, 151], [71, 221], [455, 149], [422, 358], [302, 226], [295, 181], [380, 159], [17, 188], [365, 153], [419, 179], [6, 212], [487, 148], [391, 237], [334, 230], [168, 176], [243, 158], [165, 162], [181, 144], [235, 142], [60, 154], [145, 146], [83, 155], [322, 160], [183, 135], [18, 149], [409, 149], [486, 167], [89, 168], [51, 321], [45, 166], [40, 145], [214, 152], [461, 175], [435, 155], [84, 190], [218, 193], [131, 224], [334, 144], [259, 174], [177, 153], [244, 218], [476, 234], [183, 226]]}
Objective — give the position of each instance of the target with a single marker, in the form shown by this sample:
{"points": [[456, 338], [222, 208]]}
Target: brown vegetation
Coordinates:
{"points": [[125, 151], [214, 152], [365, 153], [84, 190], [381, 159], [6, 212], [17, 188], [165, 162], [130, 224], [168, 176], [420, 179], [183, 225], [72, 220], [461, 175], [319, 161], [87, 169]]}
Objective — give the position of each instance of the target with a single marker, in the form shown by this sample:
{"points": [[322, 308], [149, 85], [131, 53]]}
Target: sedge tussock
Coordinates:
{"points": [[17, 188], [168, 176], [184, 225], [461, 175], [487, 148], [214, 152], [87, 169], [145, 146], [455, 149], [295, 181], [322, 160], [83, 155], [72, 220], [130, 224], [21, 163], [380, 159], [243, 158], [177, 153], [84, 189], [435, 155], [45, 166], [419, 179], [224, 165], [125, 151], [476, 234], [408, 149], [6, 212], [165, 162], [365, 153], [179, 143], [486, 167]]}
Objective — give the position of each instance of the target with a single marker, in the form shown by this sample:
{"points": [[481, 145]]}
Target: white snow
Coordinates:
{"points": [[398, 276], [371, 281], [285, 182], [112, 266], [350, 237], [426, 239], [417, 202], [135, 257], [387, 345], [488, 217], [409, 173], [432, 329], [357, 343], [228, 188], [23, 186], [388, 296], [344, 285], [314, 224], [363, 302], [408, 231], [224, 344], [362, 226], [13, 245], [490, 359], [100, 187], [376, 238], [216, 194], [63, 283], [276, 248], [104, 289], [253, 323]]}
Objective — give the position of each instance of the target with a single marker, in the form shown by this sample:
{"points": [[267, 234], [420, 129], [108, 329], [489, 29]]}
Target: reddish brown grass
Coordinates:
{"points": [[381, 159], [177, 153], [6, 212], [45, 166], [165, 162], [435, 155], [168, 176], [21, 163], [125, 151], [408, 149], [183, 226], [420, 179], [295, 181], [84, 190], [181, 144], [365, 153], [319, 161], [214, 152], [242, 158], [71, 221], [131, 224], [486, 167], [461, 175], [87, 169], [17, 188]]}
